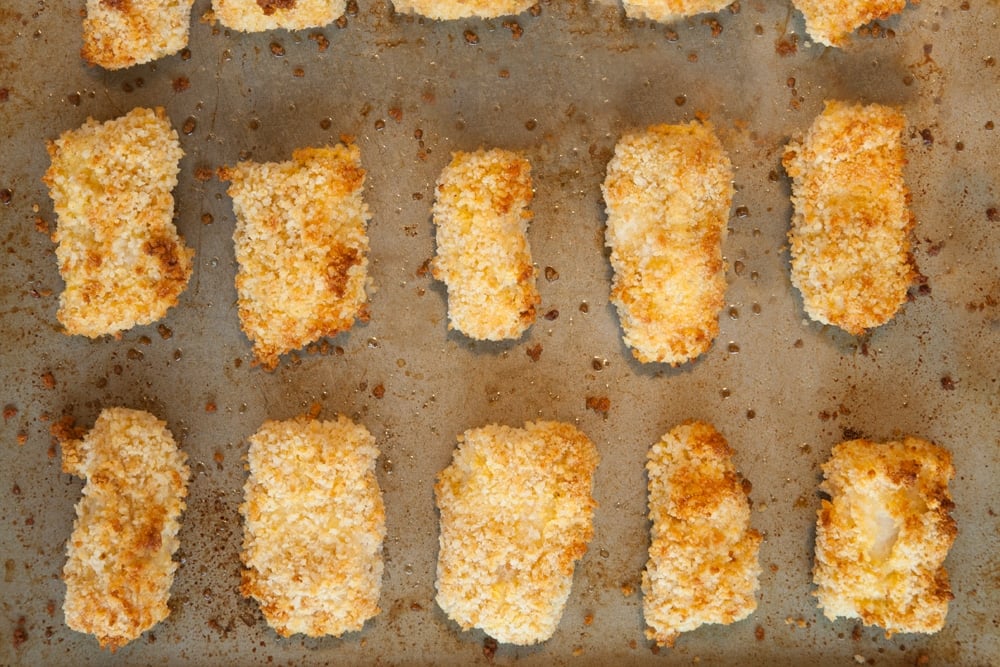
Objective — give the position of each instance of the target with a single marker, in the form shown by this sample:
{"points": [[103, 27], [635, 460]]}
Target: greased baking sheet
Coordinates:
{"points": [[561, 86]]}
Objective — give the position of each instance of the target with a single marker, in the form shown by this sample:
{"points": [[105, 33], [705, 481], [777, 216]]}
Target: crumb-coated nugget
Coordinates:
{"points": [[667, 11], [314, 524], [120, 567], [302, 247], [516, 512], [882, 537], [668, 192], [262, 15], [703, 565], [831, 22], [481, 214], [118, 249], [849, 239], [460, 9], [122, 33]]}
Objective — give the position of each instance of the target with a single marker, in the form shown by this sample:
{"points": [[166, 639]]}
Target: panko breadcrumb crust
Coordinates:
{"points": [[314, 524], [263, 15], [882, 537], [516, 511], [118, 249], [483, 256], [460, 9], [703, 559], [668, 11], [831, 22], [122, 33], [849, 238], [668, 192], [302, 247], [120, 556]]}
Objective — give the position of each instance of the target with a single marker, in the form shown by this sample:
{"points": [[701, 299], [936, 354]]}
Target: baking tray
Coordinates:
{"points": [[561, 86]]}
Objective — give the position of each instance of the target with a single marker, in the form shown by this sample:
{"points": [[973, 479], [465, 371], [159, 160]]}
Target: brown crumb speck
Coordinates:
{"points": [[551, 274], [180, 84], [48, 380], [515, 29], [322, 43], [9, 412], [470, 37], [489, 648], [552, 315], [947, 383], [203, 174], [210, 406], [758, 633], [599, 404], [396, 114], [534, 352], [378, 391], [787, 45]]}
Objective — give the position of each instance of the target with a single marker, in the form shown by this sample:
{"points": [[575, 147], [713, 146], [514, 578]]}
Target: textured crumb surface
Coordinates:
{"points": [[668, 191], [703, 565], [831, 22], [849, 239], [122, 33], [460, 9], [302, 247], [118, 249], [120, 566], [481, 216], [667, 11], [313, 526], [262, 15], [882, 537], [516, 512]]}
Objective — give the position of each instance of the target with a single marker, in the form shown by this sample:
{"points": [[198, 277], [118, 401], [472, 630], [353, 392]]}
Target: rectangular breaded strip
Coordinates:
{"points": [[122, 33], [668, 191], [314, 524], [703, 565], [668, 11], [460, 9], [481, 214], [119, 253], [831, 22], [882, 538], [516, 512], [849, 238], [120, 556], [302, 246], [262, 15]]}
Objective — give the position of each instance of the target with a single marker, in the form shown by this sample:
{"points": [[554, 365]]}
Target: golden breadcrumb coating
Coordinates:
{"points": [[703, 565], [516, 512], [481, 214], [120, 567], [302, 247], [460, 9], [119, 253], [667, 11], [831, 22], [262, 15], [668, 191], [882, 538], [313, 526], [122, 33], [849, 237]]}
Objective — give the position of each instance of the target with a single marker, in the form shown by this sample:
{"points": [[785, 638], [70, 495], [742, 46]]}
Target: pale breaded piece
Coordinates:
{"points": [[122, 33], [703, 565], [831, 22], [313, 526], [668, 191], [120, 567], [119, 253], [849, 238], [882, 538], [261, 15], [460, 9], [516, 512], [481, 214], [302, 246], [668, 11]]}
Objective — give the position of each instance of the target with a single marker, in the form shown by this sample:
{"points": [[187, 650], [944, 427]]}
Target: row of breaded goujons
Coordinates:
{"points": [[516, 514]]}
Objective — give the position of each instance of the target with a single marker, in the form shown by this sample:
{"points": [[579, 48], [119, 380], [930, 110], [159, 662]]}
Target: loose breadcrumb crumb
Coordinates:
{"points": [[703, 564], [122, 33], [483, 254], [516, 512], [849, 239], [120, 567], [882, 538], [263, 15], [460, 9], [119, 253], [302, 247], [668, 192], [668, 11], [831, 22], [314, 524]]}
